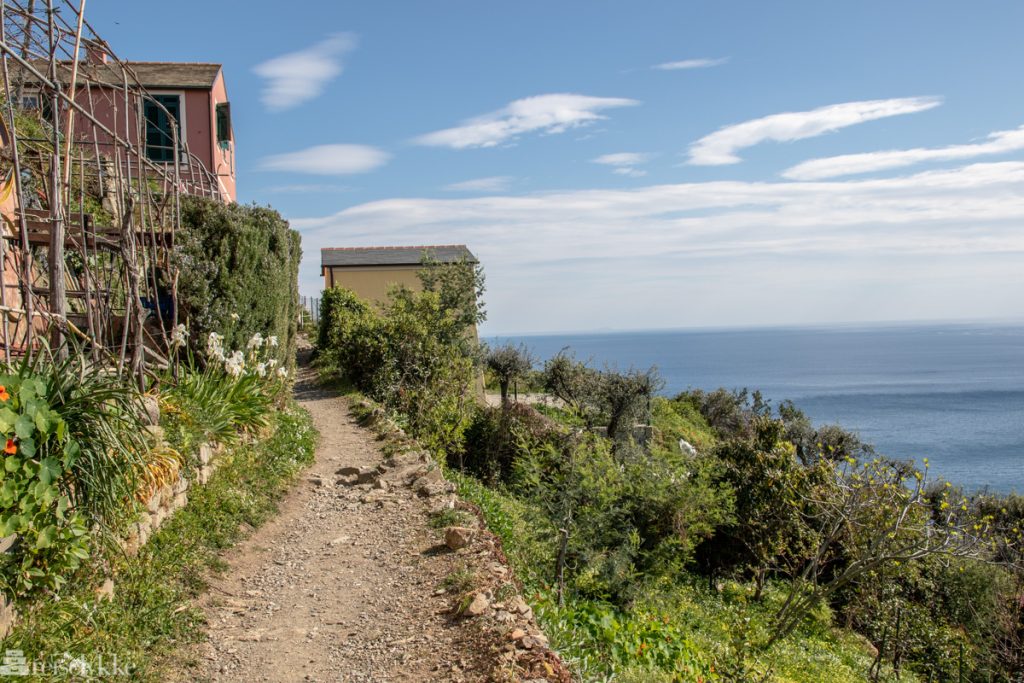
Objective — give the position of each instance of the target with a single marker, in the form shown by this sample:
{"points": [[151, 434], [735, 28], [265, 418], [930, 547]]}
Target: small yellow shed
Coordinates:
{"points": [[371, 271]]}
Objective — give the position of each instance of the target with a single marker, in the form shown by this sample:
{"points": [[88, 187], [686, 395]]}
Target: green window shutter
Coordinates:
{"points": [[224, 123], [160, 127]]}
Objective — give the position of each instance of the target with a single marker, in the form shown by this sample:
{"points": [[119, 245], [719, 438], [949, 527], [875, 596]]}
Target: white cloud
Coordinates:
{"points": [[933, 244], [554, 113], [307, 189], [623, 159], [690, 64], [296, 77], [499, 183], [328, 160], [720, 147], [625, 163], [999, 142]]}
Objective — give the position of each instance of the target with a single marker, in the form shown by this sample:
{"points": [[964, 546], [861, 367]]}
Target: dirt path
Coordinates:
{"points": [[335, 589]]}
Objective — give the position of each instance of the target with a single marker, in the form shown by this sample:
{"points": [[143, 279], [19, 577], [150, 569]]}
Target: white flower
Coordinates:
{"points": [[215, 346], [235, 316], [271, 363], [261, 369], [282, 372], [235, 364], [179, 335], [272, 340], [255, 342]]}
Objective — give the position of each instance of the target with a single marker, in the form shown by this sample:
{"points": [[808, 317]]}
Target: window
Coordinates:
{"points": [[160, 128], [224, 123], [33, 100]]}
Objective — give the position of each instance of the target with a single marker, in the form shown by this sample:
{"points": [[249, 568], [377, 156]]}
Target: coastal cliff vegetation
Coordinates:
{"points": [[707, 536]]}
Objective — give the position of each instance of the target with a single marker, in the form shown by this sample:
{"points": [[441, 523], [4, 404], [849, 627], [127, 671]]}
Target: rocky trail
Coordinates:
{"points": [[347, 582]]}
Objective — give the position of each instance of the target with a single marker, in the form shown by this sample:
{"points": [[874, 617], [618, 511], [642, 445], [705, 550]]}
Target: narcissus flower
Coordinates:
{"points": [[4, 396], [11, 448]]}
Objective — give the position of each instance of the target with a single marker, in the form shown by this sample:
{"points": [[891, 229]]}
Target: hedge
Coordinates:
{"points": [[238, 273]]}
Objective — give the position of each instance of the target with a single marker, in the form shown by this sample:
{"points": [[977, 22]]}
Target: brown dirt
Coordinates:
{"points": [[335, 589]]}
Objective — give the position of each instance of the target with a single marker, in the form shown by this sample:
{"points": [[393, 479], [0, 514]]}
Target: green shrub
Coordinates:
{"points": [[238, 273], [496, 436], [349, 339], [627, 517], [415, 356]]}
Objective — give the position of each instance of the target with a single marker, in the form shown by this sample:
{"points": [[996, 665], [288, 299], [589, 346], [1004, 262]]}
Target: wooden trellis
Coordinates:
{"points": [[89, 220]]}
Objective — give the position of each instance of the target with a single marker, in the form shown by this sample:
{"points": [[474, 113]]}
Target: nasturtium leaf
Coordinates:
{"points": [[27, 447], [42, 422], [49, 470], [46, 537], [7, 419], [11, 463], [14, 524], [24, 427], [61, 429], [27, 393]]}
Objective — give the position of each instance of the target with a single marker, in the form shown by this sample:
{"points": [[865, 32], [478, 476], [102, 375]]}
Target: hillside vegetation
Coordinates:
{"points": [[703, 537]]}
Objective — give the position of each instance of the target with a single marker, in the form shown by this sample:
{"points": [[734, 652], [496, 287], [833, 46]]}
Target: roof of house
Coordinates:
{"points": [[149, 74], [349, 257]]}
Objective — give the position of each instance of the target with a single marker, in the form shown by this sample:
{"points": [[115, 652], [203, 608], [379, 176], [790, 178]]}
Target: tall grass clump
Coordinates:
{"points": [[103, 415]]}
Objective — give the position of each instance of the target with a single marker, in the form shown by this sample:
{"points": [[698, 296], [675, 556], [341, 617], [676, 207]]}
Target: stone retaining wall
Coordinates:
{"points": [[171, 497]]}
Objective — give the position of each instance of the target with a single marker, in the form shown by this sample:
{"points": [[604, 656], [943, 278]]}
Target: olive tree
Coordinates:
{"points": [[870, 516], [508, 363]]}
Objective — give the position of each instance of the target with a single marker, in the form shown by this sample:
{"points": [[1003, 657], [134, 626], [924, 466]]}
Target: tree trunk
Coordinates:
{"points": [[560, 566]]}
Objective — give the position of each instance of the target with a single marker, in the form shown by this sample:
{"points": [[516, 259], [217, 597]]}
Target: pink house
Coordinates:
{"points": [[183, 101]]}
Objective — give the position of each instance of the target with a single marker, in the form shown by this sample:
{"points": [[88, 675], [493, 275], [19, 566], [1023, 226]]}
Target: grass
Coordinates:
{"points": [[150, 616], [450, 517], [462, 580], [675, 419]]}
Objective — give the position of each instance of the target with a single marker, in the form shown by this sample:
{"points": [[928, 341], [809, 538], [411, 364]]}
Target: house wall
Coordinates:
{"points": [[199, 125], [222, 159], [372, 282]]}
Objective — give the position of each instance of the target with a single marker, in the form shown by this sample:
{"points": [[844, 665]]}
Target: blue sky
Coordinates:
{"points": [[626, 165]]}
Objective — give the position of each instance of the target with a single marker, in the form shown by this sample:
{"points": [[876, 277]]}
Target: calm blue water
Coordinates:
{"points": [[951, 393]]}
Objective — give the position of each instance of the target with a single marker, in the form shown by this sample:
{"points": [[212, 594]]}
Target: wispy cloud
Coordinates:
{"points": [[296, 77], [999, 142], [328, 160], [870, 244], [550, 114], [307, 189], [498, 183], [702, 63], [625, 163], [719, 148]]}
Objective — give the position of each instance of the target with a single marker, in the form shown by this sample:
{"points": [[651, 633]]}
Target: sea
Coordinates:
{"points": [[952, 393]]}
